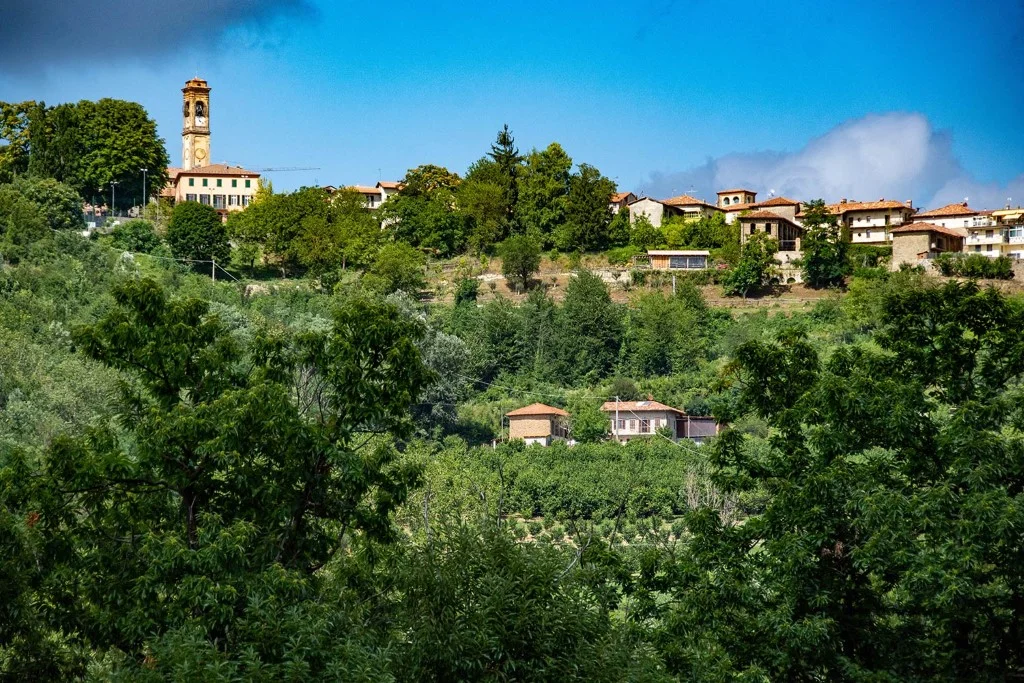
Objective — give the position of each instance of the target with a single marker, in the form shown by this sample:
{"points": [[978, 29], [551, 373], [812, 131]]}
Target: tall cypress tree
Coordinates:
{"points": [[507, 157]]}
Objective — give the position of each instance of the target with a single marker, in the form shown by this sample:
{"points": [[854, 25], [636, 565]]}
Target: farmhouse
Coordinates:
{"points": [[636, 419], [538, 424]]}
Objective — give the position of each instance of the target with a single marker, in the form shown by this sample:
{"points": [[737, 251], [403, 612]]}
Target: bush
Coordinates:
{"points": [[520, 258], [976, 266], [137, 235], [398, 266], [467, 291], [867, 255], [196, 232], [622, 256]]}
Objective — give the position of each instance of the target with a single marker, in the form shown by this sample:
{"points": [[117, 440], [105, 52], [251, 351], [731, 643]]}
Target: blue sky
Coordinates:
{"points": [[664, 97]]}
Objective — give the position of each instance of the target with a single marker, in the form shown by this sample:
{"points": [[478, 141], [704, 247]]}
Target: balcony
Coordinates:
{"points": [[996, 237]]}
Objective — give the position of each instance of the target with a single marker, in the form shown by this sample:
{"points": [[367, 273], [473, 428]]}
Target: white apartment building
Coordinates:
{"points": [[871, 222]]}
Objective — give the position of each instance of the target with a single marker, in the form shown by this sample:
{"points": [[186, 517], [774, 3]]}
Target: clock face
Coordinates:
{"points": [[200, 120], [200, 154]]}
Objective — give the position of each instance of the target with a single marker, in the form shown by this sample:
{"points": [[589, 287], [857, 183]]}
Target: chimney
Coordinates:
{"points": [[910, 203], [843, 200]]}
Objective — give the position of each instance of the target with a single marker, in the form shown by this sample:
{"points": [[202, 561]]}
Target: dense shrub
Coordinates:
{"points": [[976, 266]]}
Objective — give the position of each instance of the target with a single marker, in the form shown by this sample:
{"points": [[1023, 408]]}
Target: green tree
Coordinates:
{"points": [[755, 267], [22, 223], [14, 132], [397, 267], [893, 484], [196, 232], [520, 258], [586, 212], [345, 233], [505, 155], [424, 213], [59, 203], [89, 145], [644, 235], [482, 197], [590, 328], [543, 189], [135, 236], [619, 228], [824, 249], [277, 221]]}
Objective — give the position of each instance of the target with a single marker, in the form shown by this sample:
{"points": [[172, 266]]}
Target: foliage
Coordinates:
{"points": [[824, 249], [543, 188], [424, 213], [974, 266], [398, 267], [643, 235], [196, 232], [587, 215], [867, 255], [507, 161], [59, 203], [22, 222], [89, 145], [755, 267], [623, 256], [342, 234], [520, 258], [593, 325], [135, 236], [467, 291]]}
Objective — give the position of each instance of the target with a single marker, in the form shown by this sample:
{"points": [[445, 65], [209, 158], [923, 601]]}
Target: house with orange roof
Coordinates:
{"points": [[538, 424], [225, 188], [781, 206], [620, 200], [736, 201], [983, 234], [871, 222], [657, 210], [920, 242], [642, 419]]}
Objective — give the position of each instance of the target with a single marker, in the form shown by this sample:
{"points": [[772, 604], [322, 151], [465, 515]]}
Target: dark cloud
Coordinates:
{"points": [[35, 33], [897, 156]]}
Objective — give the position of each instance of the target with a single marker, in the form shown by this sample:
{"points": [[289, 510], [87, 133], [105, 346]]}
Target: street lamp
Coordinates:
{"points": [[145, 199], [113, 197]]}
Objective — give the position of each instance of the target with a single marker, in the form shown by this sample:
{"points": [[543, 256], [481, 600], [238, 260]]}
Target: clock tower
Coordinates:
{"points": [[195, 130]]}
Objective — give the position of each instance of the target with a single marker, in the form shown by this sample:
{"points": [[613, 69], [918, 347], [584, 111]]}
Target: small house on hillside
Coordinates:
{"points": [[923, 241], [538, 424], [678, 259], [635, 419]]}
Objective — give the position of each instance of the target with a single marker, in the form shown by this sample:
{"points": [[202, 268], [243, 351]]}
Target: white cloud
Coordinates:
{"points": [[897, 156]]}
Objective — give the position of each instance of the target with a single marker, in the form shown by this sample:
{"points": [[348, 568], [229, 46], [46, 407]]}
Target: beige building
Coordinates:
{"points": [[1011, 223], [780, 206], [657, 210], [225, 188], [919, 242], [787, 231], [639, 419], [538, 424], [731, 200], [871, 222]]}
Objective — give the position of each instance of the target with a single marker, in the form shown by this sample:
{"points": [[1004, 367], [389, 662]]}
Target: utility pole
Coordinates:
{"points": [[145, 199], [213, 268], [616, 429], [113, 197]]}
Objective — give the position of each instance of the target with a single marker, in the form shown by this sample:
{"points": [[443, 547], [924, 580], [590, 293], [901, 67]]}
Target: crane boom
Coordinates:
{"points": [[287, 168]]}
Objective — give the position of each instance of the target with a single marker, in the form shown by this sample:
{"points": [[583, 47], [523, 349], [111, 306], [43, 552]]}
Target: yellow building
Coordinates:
{"points": [[226, 188]]}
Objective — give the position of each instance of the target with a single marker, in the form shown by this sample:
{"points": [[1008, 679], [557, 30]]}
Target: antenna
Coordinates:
{"points": [[771, 193], [965, 199]]}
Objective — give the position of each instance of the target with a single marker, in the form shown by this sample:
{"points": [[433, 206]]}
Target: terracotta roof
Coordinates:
{"points": [[738, 207], [172, 172], [219, 169], [390, 184], [537, 409], [738, 189], [363, 189], [637, 407], [619, 196], [768, 215], [778, 201], [843, 207], [685, 200], [959, 209], [929, 227]]}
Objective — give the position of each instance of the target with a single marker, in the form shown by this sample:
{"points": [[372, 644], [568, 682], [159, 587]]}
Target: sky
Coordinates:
{"points": [[906, 100]]}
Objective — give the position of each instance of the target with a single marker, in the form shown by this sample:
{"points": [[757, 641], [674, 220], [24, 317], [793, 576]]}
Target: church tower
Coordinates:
{"points": [[195, 131]]}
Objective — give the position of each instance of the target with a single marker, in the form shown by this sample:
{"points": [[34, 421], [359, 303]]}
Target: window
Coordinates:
{"points": [[988, 247], [768, 228], [247, 183], [977, 247], [219, 181], [204, 199], [868, 234], [752, 226], [645, 426], [245, 200], [191, 198], [735, 200], [234, 182], [988, 233], [622, 425], [191, 182], [232, 200], [219, 201], [677, 262], [205, 182], [726, 201], [887, 219]]}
